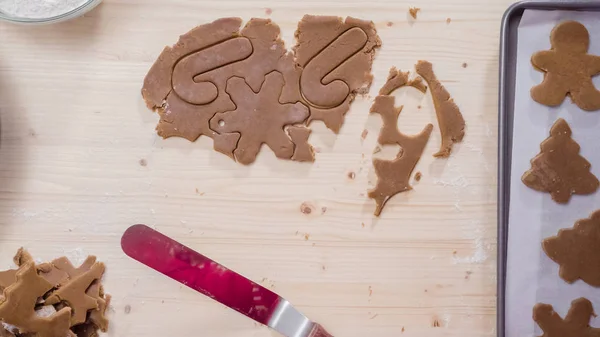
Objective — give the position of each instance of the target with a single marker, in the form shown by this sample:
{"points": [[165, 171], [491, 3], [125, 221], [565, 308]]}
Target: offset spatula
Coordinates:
{"points": [[204, 275]]}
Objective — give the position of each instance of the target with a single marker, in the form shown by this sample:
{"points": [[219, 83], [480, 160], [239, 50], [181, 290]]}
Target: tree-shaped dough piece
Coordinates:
{"points": [[577, 251], [568, 68], [575, 324], [559, 169], [18, 306], [48, 271], [74, 293], [98, 317], [259, 118], [63, 263]]}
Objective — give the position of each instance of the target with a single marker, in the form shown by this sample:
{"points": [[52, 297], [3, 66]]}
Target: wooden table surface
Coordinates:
{"points": [[74, 131]]}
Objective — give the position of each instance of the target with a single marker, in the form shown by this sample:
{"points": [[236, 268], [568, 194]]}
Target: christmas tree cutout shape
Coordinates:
{"points": [[559, 169], [577, 251]]}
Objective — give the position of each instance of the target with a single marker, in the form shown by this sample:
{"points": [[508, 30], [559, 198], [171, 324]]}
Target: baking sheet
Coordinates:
{"points": [[531, 276]]}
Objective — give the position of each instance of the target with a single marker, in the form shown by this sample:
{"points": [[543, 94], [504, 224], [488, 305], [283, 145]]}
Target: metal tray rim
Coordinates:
{"points": [[505, 118]]}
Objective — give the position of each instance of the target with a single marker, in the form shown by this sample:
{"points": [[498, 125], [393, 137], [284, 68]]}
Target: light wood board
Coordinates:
{"points": [[74, 129]]}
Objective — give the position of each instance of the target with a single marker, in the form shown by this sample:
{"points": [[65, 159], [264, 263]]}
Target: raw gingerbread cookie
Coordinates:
{"points": [[451, 121], [74, 294], [61, 288], [48, 271], [7, 278], [98, 317], [575, 324], [568, 68], [20, 299], [559, 169], [259, 118], [393, 176], [577, 251]]}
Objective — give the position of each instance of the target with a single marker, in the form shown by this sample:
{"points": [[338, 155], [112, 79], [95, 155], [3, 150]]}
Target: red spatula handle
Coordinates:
{"points": [[198, 272]]}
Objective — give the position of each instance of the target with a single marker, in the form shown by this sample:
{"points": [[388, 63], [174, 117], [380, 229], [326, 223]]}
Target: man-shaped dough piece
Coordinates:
{"points": [[568, 68]]}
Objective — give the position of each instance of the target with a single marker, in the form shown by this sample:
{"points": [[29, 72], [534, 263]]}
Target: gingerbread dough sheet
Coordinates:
{"points": [[210, 82], [532, 276]]}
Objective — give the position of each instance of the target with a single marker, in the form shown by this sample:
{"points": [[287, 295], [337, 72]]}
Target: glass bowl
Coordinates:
{"points": [[77, 12]]}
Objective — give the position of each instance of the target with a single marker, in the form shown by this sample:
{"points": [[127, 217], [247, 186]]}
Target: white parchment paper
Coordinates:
{"points": [[531, 276]]}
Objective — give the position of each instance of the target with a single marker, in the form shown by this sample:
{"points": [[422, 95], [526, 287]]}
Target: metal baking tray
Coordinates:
{"points": [[508, 52]]}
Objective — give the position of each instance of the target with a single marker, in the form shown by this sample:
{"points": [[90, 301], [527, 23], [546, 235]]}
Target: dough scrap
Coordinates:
{"points": [[74, 294], [259, 118], [48, 290], [98, 317], [577, 251], [575, 324], [413, 12], [568, 68], [451, 121], [62, 263], [53, 275], [559, 169], [20, 299], [48, 271], [330, 64], [22, 257], [393, 176], [303, 151], [397, 79], [7, 278]]}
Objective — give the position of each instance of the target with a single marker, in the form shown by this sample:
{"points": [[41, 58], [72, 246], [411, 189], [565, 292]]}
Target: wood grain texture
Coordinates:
{"points": [[74, 131]]}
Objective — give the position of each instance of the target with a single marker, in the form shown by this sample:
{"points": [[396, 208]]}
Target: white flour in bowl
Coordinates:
{"points": [[38, 9]]}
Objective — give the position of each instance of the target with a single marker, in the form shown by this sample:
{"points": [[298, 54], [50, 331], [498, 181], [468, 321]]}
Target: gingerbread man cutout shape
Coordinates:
{"points": [[568, 68]]}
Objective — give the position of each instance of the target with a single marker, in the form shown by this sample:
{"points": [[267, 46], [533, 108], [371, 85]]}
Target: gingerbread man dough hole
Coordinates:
{"points": [[568, 69]]}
